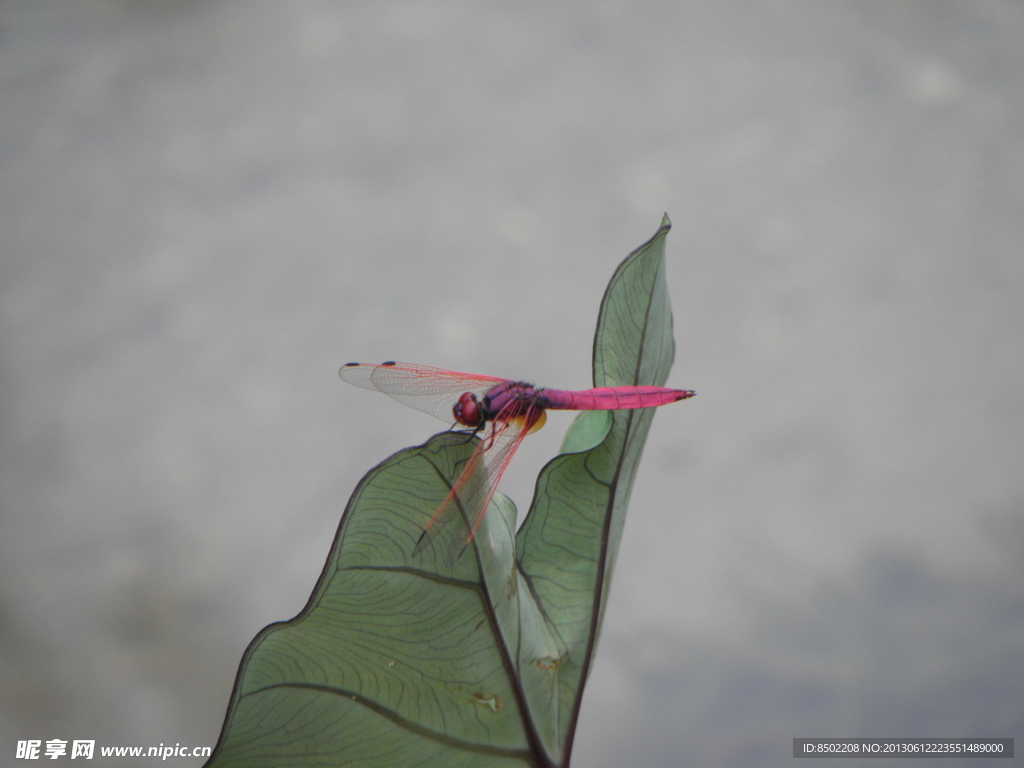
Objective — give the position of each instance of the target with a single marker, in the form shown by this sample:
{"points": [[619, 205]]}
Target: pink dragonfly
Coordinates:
{"points": [[504, 411]]}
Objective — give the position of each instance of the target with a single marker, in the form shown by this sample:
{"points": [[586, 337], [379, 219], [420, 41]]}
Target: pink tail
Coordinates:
{"points": [[613, 398]]}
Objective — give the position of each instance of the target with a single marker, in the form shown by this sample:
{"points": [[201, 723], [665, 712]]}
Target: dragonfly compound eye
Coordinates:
{"points": [[467, 410]]}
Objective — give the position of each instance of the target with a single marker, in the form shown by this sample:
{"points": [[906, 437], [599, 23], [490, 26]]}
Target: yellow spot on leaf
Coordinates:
{"points": [[493, 703], [547, 663]]}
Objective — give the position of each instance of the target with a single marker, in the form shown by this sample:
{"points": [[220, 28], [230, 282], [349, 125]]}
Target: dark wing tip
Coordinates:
{"points": [[388, 362], [349, 365]]}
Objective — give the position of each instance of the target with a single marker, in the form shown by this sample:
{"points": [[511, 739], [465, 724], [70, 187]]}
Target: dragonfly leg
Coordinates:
{"points": [[470, 434]]}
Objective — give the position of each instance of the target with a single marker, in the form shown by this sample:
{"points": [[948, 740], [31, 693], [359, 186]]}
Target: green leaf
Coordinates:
{"points": [[402, 660]]}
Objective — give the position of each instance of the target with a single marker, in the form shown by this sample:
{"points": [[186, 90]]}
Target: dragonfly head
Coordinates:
{"points": [[467, 410]]}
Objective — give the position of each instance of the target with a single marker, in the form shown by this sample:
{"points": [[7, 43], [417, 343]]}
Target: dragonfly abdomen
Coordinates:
{"points": [[612, 398]]}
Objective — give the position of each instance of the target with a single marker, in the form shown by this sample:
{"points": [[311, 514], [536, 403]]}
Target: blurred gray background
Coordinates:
{"points": [[206, 207]]}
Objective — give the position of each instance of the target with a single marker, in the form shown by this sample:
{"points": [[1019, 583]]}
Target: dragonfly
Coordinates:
{"points": [[501, 411]]}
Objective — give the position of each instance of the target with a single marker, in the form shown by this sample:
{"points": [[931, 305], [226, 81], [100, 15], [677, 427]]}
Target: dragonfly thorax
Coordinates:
{"points": [[511, 400]]}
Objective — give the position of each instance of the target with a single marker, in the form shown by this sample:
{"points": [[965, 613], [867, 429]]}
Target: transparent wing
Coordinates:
{"points": [[454, 523], [431, 390]]}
